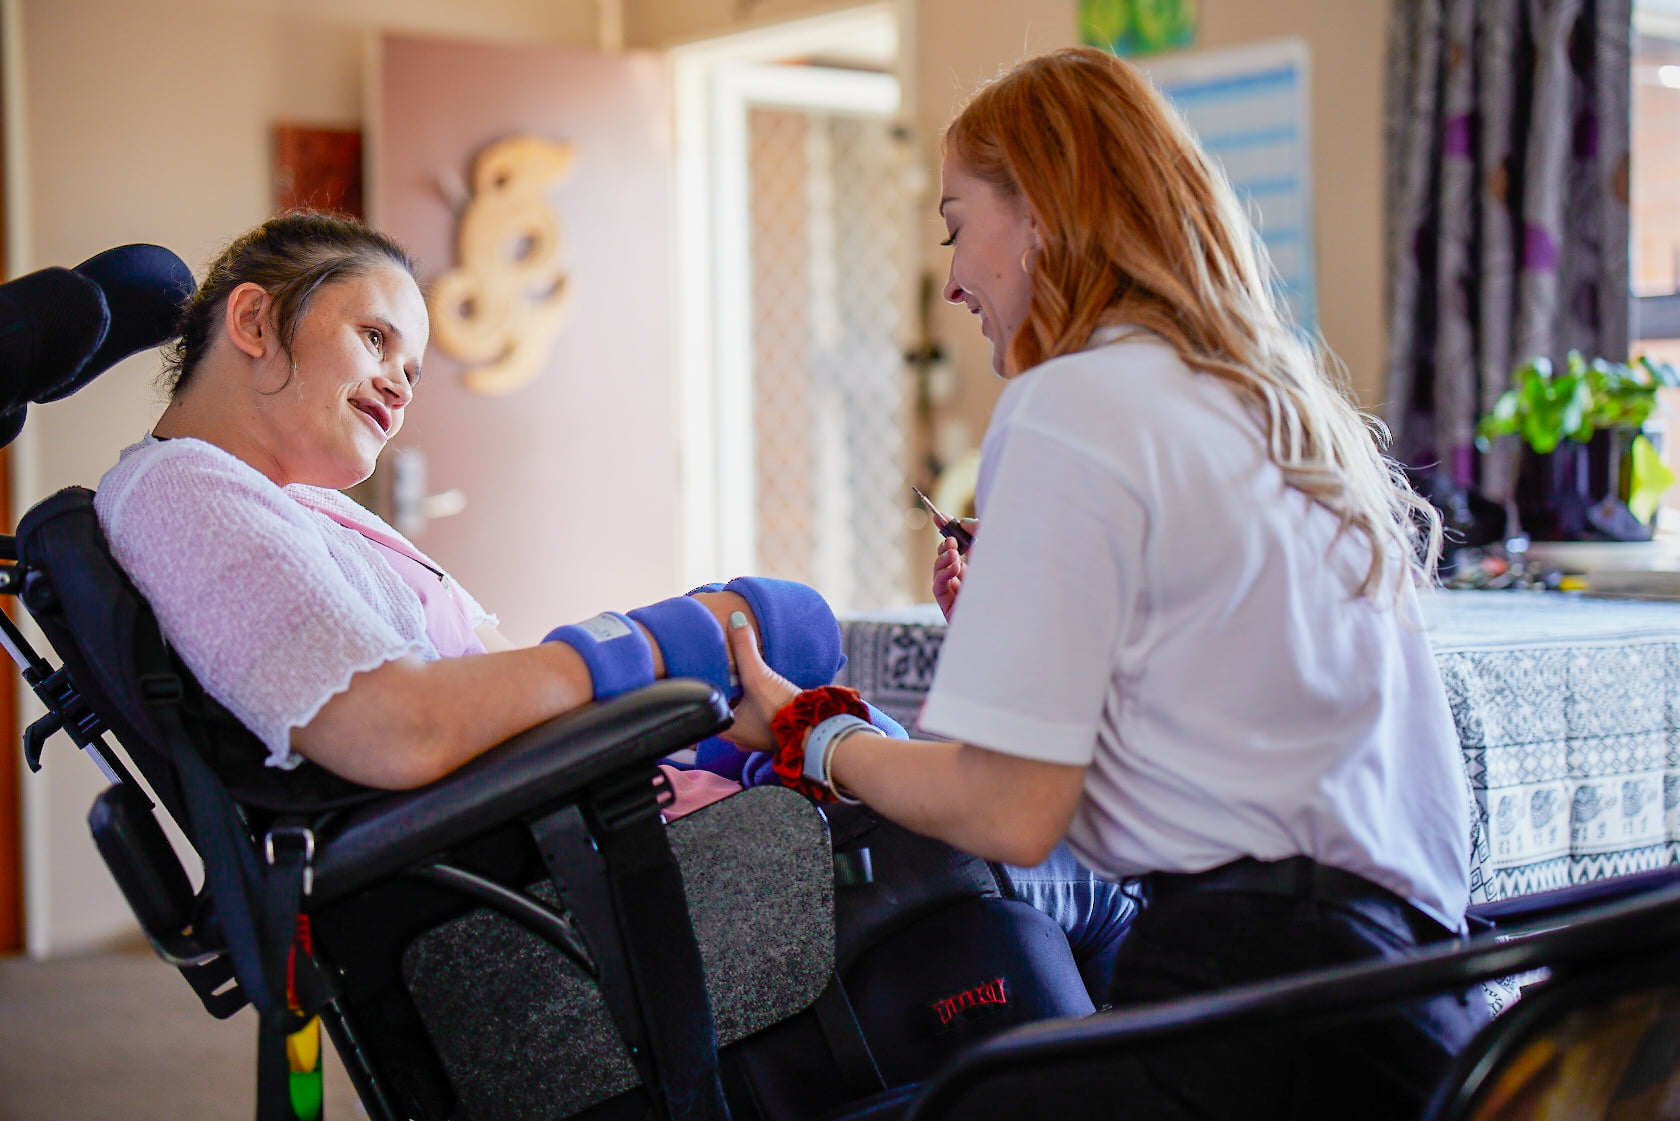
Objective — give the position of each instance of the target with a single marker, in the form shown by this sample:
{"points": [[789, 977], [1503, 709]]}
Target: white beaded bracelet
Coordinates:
{"points": [[819, 745]]}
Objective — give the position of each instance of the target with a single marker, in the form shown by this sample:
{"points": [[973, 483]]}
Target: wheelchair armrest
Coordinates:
{"points": [[546, 765]]}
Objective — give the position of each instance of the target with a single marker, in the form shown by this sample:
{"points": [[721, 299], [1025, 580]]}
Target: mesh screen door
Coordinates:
{"points": [[828, 218]]}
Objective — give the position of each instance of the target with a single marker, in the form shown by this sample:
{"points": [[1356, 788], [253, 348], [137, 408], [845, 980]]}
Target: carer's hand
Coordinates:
{"points": [[763, 690], [949, 568]]}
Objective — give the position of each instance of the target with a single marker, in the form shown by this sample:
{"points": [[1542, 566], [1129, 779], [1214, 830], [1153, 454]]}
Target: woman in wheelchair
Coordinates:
{"points": [[1188, 637], [325, 631]]}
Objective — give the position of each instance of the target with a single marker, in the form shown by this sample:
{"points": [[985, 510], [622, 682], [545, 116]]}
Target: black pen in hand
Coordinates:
{"points": [[948, 526]]}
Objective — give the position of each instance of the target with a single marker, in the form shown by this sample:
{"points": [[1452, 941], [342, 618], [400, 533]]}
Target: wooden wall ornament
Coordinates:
{"points": [[503, 305], [317, 169]]}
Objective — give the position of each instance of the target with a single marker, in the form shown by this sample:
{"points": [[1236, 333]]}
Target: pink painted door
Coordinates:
{"points": [[569, 477]]}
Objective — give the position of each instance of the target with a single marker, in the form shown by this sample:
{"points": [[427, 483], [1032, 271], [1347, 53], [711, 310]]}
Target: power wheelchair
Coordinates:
{"points": [[526, 938]]}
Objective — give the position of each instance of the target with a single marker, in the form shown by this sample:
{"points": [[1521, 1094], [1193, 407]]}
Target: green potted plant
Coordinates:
{"points": [[1590, 471]]}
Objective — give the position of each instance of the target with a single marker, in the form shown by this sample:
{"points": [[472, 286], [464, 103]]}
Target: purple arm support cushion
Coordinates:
{"points": [[796, 628], [758, 770], [719, 756], [615, 650], [801, 641], [691, 640]]}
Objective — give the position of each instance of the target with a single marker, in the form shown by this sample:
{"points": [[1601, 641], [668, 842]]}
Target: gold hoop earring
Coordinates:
{"points": [[1026, 255]]}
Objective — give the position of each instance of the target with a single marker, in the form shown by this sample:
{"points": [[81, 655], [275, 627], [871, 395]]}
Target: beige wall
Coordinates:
{"points": [[665, 23], [148, 120], [563, 515]]}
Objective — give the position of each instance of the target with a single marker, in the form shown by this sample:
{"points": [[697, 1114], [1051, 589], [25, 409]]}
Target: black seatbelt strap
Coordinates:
{"points": [[256, 908], [288, 851], [575, 867], [652, 911], [846, 1042], [661, 985]]}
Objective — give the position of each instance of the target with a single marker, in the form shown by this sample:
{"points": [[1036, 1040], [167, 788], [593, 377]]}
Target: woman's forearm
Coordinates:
{"points": [[408, 722], [996, 806]]}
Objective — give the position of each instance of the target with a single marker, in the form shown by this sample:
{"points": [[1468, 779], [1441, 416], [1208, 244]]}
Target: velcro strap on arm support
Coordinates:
{"points": [[691, 639], [615, 650]]}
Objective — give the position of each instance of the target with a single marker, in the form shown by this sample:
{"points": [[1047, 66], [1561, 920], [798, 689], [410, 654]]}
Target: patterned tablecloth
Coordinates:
{"points": [[1568, 711]]}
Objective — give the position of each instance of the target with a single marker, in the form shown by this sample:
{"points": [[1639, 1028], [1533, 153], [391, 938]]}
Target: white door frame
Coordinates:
{"points": [[716, 83]]}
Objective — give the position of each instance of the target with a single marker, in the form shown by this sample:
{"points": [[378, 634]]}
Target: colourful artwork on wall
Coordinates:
{"points": [[1137, 27], [318, 168]]}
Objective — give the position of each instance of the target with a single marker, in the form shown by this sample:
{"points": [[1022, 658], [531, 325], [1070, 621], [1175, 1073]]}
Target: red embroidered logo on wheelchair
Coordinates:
{"points": [[984, 997]]}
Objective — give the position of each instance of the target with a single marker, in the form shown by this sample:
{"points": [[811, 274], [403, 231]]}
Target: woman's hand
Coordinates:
{"points": [[763, 690], [949, 567]]}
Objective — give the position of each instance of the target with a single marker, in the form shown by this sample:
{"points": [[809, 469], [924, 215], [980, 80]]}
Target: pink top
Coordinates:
{"points": [[276, 597], [448, 620]]}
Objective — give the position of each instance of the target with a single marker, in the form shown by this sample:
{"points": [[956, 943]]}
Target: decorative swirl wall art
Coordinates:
{"points": [[503, 305]]}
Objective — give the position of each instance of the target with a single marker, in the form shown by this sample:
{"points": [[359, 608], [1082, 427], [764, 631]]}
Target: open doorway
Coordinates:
{"points": [[795, 273]]}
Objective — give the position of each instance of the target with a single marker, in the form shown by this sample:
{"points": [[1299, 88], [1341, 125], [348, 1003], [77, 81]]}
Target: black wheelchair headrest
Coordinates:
{"points": [[60, 328]]}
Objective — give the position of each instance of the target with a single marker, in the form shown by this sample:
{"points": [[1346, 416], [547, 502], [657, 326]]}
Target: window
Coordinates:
{"points": [[1654, 219], [796, 253], [1654, 190]]}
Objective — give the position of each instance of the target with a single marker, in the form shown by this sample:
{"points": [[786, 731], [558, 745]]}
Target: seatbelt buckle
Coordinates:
{"points": [[301, 836]]}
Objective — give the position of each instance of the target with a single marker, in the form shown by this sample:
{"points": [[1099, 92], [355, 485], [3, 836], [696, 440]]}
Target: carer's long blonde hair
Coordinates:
{"points": [[1139, 228]]}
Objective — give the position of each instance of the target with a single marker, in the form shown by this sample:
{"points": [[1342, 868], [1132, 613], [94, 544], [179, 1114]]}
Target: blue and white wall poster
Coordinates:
{"points": [[1248, 106]]}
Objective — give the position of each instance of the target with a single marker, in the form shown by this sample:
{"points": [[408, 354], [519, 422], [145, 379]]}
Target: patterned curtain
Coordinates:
{"points": [[1507, 199]]}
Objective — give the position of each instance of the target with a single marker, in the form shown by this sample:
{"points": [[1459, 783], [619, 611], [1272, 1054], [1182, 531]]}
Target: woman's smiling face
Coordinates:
{"points": [[347, 382], [992, 238]]}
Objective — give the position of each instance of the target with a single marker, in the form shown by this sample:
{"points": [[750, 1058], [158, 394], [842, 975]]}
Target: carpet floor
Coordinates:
{"points": [[120, 1034]]}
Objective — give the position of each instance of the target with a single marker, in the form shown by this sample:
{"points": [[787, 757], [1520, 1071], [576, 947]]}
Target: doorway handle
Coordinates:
{"points": [[411, 506]]}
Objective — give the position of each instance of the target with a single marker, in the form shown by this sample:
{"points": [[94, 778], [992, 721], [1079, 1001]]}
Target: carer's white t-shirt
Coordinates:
{"points": [[1147, 597]]}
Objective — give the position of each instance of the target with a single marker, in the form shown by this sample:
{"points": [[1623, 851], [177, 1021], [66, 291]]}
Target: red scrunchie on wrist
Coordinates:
{"points": [[795, 720]]}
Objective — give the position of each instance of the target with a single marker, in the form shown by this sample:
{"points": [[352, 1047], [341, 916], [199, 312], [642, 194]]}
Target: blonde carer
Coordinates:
{"points": [[1185, 641]]}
